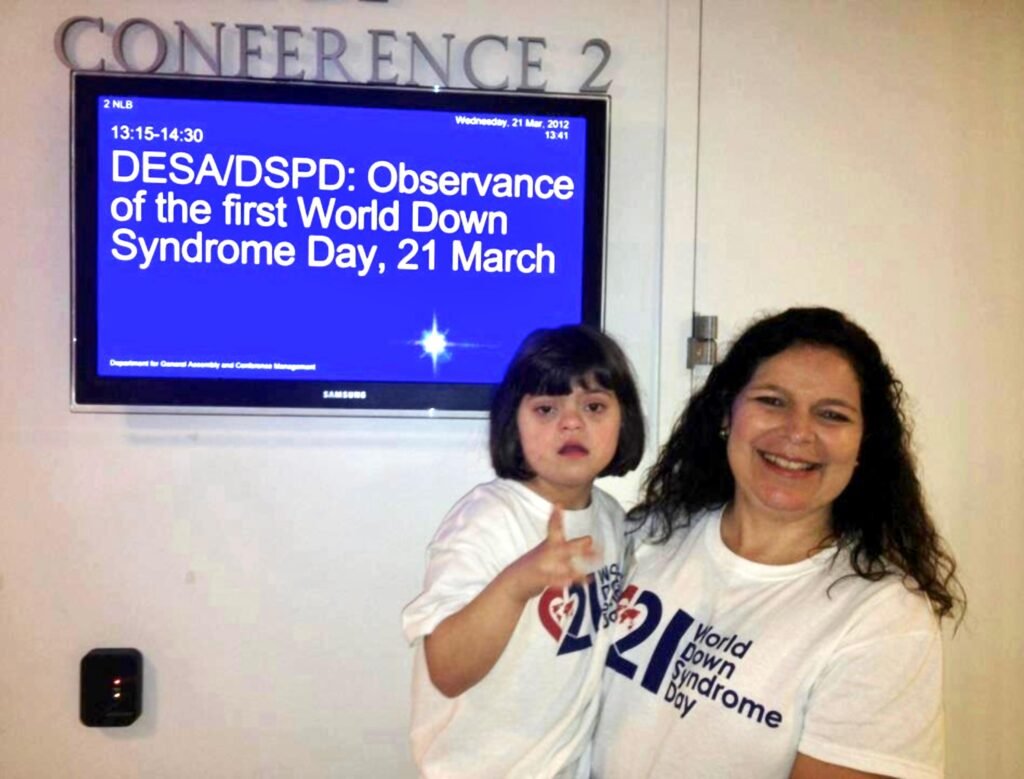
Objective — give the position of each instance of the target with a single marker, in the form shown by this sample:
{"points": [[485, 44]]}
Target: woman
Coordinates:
{"points": [[783, 617]]}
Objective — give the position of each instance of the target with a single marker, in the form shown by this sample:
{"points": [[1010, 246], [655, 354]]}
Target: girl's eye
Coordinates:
{"points": [[543, 409], [596, 406]]}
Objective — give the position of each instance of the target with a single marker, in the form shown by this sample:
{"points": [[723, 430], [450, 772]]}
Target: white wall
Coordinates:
{"points": [[259, 563]]}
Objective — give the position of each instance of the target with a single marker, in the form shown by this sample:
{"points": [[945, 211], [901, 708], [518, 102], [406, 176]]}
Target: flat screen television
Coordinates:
{"points": [[292, 247]]}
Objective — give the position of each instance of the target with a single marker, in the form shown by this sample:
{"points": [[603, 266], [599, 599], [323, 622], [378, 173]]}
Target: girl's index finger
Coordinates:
{"points": [[556, 527]]}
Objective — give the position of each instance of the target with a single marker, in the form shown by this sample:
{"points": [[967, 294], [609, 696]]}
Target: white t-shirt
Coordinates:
{"points": [[722, 667], [533, 715]]}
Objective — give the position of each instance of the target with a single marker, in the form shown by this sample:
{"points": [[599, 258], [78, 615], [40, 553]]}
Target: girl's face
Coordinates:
{"points": [[795, 432], [567, 440]]}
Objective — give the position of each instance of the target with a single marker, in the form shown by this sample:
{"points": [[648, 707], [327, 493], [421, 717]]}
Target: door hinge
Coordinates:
{"points": [[701, 347]]}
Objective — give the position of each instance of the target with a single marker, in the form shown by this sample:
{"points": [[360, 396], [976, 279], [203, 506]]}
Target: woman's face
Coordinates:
{"points": [[795, 431]]}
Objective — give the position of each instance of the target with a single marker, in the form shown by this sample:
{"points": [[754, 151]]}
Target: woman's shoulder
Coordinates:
{"points": [[656, 528], [891, 605], [661, 544]]}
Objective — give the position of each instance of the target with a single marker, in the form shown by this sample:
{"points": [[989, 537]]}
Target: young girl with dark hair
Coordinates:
{"points": [[524, 574]]}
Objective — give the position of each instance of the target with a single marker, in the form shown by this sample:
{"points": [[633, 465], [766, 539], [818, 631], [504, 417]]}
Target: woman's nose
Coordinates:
{"points": [[799, 426]]}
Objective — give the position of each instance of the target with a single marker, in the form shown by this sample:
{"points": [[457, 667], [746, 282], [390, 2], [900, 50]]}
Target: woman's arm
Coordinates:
{"points": [[809, 768]]}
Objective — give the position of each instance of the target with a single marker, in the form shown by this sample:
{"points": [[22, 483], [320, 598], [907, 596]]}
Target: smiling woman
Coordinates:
{"points": [[782, 618]]}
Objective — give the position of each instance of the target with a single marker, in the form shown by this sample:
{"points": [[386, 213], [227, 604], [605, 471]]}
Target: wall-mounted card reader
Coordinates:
{"points": [[111, 688]]}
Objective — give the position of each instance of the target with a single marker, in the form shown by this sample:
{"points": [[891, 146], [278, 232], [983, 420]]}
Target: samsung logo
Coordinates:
{"points": [[344, 394]]}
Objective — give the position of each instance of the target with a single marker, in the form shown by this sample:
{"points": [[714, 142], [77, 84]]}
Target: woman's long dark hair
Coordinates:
{"points": [[880, 517]]}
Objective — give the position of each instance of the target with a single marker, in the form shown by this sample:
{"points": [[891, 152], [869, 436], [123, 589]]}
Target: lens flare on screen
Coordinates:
{"points": [[435, 344]]}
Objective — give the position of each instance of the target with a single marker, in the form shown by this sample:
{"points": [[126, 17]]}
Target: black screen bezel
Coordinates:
{"points": [[92, 392]]}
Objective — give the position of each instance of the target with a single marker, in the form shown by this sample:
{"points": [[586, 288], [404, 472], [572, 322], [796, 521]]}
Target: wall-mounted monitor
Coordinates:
{"points": [[287, 247]]}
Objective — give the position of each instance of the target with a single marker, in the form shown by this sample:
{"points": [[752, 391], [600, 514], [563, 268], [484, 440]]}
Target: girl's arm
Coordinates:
{"points": [[464, 647]]}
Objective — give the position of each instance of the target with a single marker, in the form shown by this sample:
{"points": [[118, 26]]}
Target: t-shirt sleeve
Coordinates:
{"points": [[473, 545], [877, 705]]}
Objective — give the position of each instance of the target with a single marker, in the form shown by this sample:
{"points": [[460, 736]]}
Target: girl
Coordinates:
{"points": [[524, 573]]}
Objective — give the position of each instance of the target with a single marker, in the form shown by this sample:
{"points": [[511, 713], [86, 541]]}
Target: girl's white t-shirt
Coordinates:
{"points": [[533, 715]]}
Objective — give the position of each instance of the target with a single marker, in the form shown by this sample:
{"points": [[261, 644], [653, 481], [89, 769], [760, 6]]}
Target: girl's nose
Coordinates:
{"points": [[571, 419]]}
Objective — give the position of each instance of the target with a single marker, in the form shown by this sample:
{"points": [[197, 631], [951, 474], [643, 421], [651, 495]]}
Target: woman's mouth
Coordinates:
{"points": [[786, 464]]}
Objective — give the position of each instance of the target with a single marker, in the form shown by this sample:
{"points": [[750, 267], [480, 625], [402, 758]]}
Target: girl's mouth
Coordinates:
{"points": [[786, 464], [573, 450]]}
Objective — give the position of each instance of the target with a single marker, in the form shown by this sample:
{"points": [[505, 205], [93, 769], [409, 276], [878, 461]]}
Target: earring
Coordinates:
{"points": [[723, 432]]}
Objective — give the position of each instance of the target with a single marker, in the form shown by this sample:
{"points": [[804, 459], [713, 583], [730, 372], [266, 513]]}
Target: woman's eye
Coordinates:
{"points": [[834, 416], [768, 400]]}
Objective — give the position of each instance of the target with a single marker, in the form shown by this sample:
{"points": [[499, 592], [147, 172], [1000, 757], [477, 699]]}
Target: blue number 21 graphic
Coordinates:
{"points": [[666, 647]]}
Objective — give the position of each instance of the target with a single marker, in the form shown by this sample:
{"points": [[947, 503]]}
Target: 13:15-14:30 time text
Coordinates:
{"points": [[128, 132]]}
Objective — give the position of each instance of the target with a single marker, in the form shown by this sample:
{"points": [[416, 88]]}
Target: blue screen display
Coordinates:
{"points": [[286, 240]]}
